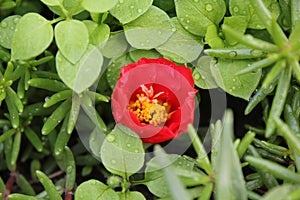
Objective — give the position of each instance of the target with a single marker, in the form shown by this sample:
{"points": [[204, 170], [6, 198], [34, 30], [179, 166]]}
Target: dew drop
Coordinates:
{"points": [[258, 26], [14, 116], [47, 98], [139, 10], [121, 1], [214, 1], [196, 1], [69, 169], [203, 77], [16, 20], [182, 19], [233, 87], [173, 29], [110, 138], [159, 32], [187, 21], [142, 44], [186, 27], [136, 150], [187, 15], [197, 77], [4, 24], [132, 7], [128, 145], [236, 9], [208, 7], [234, 80], [256, 52], [12, 28], [232, 54], [147, 41], [230, 90], [113, 161]]}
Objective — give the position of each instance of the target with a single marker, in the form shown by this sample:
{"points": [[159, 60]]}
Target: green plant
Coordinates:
{"points": [[61, 59]]}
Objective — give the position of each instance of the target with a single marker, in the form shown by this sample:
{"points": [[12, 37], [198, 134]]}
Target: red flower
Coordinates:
{"points": [[155, 99]]}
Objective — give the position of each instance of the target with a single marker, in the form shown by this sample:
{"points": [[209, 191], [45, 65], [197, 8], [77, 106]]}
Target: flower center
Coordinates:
{"points": [[148, 109]]}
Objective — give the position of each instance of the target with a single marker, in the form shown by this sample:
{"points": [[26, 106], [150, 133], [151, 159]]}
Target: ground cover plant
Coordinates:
{"points": [[152, 99]]}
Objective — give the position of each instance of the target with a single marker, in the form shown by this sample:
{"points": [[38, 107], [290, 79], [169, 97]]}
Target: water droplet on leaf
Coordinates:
{"points": [[208, 7], [236, 9], [113, 161], [139, 10], [110, 138], [197, 77], [232, 54], [4, 24]]}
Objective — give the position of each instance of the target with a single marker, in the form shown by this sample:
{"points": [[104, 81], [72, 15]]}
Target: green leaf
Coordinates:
{"points": [[183, 167], [238, 23], [137, 54], [280, 192], [114, 69], [131, 196], [128, 10], [244, 8], [230, 182], [7, 29], [196, 15], [98, 6], [84, 73], [202, 73], [182, 46], [237, 85], [100, 35], [175, 186], [95, 141], [94, 189], [150, 30], [115, 46], [32, 36], [51, 2], [122, 152], [73, 6], [72, 39]]}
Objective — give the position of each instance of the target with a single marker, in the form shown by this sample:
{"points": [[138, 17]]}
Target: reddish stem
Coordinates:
{"points": [[68, 195], [9, 185]]}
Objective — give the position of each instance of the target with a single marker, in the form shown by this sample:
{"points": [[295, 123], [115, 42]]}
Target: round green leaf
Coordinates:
{"points": [[149, 30], [115, 46], [7, 29], [196, 15], [73, 6], [131, 196], [51, 2], [84, 73], [94, 189], [202, 74], [100, 35], [128, 10], [137, 54], [242, 86], [122, 152], [182, 46], [245, 8], [98, 6], [32, 36], [72, 39], [114, 69]]}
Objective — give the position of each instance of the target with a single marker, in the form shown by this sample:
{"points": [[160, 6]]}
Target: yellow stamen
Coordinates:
{"points": [[148, 109]]}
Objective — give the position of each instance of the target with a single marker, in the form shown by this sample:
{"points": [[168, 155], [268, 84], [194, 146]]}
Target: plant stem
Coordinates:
{"points": [[9, 185]]}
